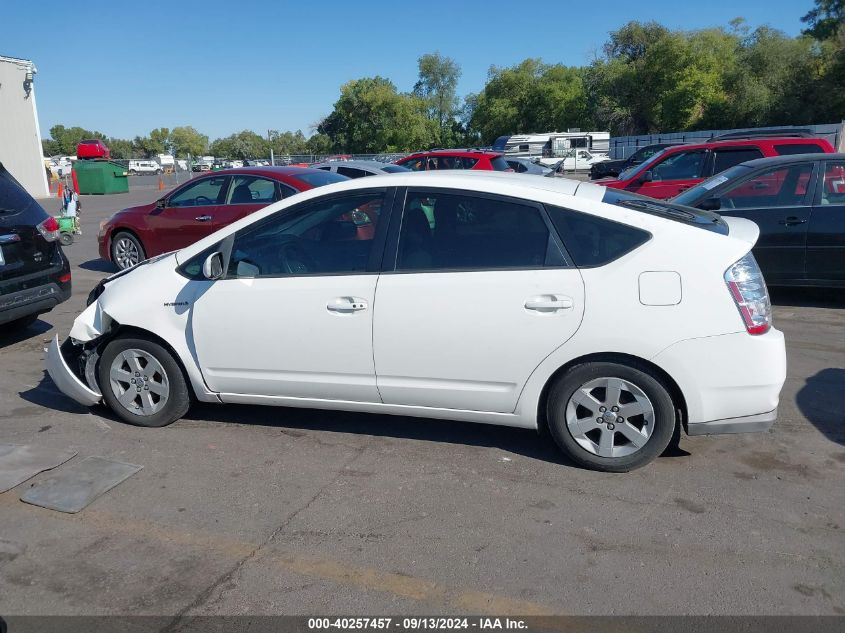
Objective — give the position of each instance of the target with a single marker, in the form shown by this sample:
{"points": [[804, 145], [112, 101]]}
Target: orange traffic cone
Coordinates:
{"points": [[60, 192], [160, 183]]}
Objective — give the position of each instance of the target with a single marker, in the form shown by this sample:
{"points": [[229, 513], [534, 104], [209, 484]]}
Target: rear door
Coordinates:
{"points": [[247, 194], [778, 200], [477, 293], [722, 158], [673, 174], [826, 232], [188, 214]]}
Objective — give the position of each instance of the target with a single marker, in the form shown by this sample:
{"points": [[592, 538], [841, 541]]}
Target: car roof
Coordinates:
{"points": [[456, 152], [266, 170], [791, 158]]}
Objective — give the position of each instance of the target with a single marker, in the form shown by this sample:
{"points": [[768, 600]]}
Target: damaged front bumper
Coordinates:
{"points": [[67, 380]]}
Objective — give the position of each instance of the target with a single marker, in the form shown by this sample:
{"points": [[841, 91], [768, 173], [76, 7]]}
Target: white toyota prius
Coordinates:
{"points": [[608, 318]]}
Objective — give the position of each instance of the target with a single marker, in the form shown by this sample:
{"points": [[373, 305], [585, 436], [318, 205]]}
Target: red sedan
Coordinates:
{"points": [[200, 207]]}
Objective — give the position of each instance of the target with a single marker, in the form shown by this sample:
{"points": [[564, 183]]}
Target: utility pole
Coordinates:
{"points": [[270, 143]]}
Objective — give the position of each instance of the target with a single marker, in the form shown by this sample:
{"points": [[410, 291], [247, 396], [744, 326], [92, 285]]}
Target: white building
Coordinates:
{"points": [[20, 135]]}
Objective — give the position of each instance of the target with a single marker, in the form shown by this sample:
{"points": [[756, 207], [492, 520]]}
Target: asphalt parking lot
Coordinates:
{"points": [[270, 510]]}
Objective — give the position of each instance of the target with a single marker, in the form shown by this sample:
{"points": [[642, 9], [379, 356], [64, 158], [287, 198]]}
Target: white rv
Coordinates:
{"points": [[553, 145]]}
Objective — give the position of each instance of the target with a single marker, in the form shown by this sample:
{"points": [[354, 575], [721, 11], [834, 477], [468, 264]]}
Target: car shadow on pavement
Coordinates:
{"points": [[99, 265], [820, 402], [524, 442], [12, 336], [808, 297], [46, 394]]}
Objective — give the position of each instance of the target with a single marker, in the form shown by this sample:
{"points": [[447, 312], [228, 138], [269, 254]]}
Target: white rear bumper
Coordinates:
{"points": [[66, 380], [731, 383]]}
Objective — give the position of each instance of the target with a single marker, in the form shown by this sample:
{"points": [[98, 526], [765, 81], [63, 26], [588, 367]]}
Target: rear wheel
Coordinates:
{"points": [[610, 416], [126, 250], [66, 239], [142, 382]]}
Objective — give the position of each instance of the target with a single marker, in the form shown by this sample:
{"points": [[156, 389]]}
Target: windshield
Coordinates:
{"points": [[633, 171], [320, 178], [669, 210], [696, 194]]}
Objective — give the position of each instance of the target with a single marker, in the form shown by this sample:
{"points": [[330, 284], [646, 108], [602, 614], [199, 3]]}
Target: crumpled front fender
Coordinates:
{"points": [[91, 324]]}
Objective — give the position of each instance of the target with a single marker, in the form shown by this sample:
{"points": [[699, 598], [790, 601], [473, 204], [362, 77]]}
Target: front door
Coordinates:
{"points": [[778, 201], [479, 297], [188, 214], [292, 317], [826, 233]]}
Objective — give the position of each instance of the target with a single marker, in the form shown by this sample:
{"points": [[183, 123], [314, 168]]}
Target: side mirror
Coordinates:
{"points": [[710, 204], [212, 267], [647, 176], [161, 204]]}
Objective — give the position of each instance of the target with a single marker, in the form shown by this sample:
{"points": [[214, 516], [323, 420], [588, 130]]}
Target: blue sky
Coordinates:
{"points": [[222, 66]]}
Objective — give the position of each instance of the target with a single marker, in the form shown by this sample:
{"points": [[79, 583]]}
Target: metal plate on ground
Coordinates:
{"points": [[19, 462], [76, 487]]}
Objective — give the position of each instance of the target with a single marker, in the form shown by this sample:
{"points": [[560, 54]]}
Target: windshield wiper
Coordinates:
{"points": [[654, 207]]}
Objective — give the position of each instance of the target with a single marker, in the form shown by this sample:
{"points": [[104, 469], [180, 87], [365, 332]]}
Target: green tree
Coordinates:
{"points": [[186, 140], [65, 140], [241, 145], [529, 97], [826, 20], [120, 148], [437, 86], [371, 116], [285, 143], [318, 144]]}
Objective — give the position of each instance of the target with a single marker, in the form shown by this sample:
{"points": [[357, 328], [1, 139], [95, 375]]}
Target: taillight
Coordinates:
{"points": [[49, 229], [748, 289]]}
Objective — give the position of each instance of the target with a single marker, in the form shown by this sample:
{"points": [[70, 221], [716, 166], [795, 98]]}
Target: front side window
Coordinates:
{"points": [[416, 164], [207, 191], [834, 183], [680, 166], [455, 231], [593, 241], [332, 236], [253, 190], [784, 186], [727, 158]]}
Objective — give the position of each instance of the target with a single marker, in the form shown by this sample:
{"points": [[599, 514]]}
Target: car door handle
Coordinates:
{"points": [[202, 218], [792, 221], [548, 303], [346, 305]]}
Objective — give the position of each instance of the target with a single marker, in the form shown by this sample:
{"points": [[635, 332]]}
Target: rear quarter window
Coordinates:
{"points": [[13, 197], [593, 241], [799, 148]]}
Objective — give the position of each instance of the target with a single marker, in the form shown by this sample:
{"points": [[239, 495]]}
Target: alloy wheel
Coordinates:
{"points": [[126, 253], [610, 417], [139, 382]]}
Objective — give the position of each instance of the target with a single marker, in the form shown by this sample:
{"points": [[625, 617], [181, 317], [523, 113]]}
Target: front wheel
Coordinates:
{"points": [[142, 382], [126, 251], [611, 417]]}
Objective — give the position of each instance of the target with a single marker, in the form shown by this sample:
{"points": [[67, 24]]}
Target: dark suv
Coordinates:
{"points": [[34, 273]]}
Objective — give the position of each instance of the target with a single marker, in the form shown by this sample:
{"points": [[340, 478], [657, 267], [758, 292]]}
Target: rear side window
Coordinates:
{"points": [[727, 158], [798, 148], [593, 241], [351, 172], [499, 164]]}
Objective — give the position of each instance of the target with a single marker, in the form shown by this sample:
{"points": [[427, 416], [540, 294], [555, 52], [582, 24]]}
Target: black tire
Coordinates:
{"points": [[664, 418], [178, 398], [66, 239], [21, 323], [115, 240]]}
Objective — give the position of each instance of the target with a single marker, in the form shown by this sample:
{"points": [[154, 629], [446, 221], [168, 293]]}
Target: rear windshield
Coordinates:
{"points": [[499, 164], [669, 210], [13, 198], [799, 148], [694, 195], [320, 178]]}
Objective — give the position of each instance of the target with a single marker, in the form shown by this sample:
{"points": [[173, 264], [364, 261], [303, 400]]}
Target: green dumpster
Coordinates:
{"points": [[100, 177]]}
